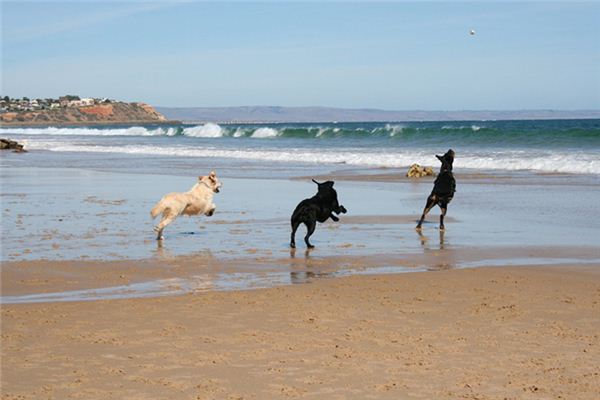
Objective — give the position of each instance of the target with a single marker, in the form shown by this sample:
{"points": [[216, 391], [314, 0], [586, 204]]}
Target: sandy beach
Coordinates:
{"points": [[488, 333], [502, 305]]}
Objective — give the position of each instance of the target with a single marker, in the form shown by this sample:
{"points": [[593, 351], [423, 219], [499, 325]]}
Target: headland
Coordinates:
{"points": [[76, 111]]}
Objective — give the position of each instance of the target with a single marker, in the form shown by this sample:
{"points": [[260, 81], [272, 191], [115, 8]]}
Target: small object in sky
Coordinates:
{"points": [[471, 32]]}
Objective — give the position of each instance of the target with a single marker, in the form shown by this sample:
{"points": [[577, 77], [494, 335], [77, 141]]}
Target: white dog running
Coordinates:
{"points": [[198, 200]]}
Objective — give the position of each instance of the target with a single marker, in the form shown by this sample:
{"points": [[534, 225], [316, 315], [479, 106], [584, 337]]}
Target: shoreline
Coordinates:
{"points": [[506, 332], [40, 281]]}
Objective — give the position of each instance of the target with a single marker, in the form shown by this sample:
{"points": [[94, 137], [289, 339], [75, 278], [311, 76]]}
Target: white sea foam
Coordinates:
{"points": [[265, 133], [208, 130], [52, 131], [171, 132], [239, 132], [394, 129], [473, 127], [568, 162]]}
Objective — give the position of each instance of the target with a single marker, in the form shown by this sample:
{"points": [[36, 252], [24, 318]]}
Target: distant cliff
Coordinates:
{"points": [[105, 113]]}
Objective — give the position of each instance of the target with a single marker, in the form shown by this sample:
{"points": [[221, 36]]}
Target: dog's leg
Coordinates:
{"points": [[444, 207], [310, 229], [159, 235], [295, 225], [166, 220], [430, 203], [211, 210], [334, 218]]}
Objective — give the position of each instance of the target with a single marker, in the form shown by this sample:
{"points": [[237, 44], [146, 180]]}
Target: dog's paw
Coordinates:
{"points": [[343, 210], [293, 245], [334, 218]]}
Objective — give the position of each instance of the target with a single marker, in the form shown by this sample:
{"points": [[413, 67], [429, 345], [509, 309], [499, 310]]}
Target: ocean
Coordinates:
{"points": [[538, 146]]}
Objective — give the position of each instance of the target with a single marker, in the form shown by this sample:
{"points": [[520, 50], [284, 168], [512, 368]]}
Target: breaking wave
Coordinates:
{"points": [[211, 130], [543, 161], [507, 133]]}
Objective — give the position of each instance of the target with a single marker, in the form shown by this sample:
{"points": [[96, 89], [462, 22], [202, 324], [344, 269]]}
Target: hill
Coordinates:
{"points": [[106, 113]]}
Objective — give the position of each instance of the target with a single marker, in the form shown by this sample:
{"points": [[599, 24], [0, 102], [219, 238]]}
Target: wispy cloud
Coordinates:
{"points": [[69, 23]]}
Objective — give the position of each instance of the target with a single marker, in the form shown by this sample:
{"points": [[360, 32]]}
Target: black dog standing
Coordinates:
{"points": [[443, 189], [320, 207]]}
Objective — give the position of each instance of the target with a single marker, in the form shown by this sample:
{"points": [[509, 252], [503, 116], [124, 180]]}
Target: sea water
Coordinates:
{"points": [[263, 150]]}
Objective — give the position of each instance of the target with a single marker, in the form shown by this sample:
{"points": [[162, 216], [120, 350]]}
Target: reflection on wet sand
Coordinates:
{"points": [[300, 277], [425, 240], [442, 256], [160, 251], [306, 253]]}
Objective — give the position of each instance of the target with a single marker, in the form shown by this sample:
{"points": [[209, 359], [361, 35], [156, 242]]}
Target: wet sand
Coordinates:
{"points": [[74, 214], [486, 333]]}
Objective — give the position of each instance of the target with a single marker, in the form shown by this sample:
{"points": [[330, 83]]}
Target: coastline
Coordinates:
{"points": [[515, 333], [43, 124]]}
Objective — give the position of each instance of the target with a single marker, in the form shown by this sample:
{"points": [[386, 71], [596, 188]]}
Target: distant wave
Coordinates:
{"points": [[131, 131], [472, 133], [543, 161], [210, 130], [205, 131]]}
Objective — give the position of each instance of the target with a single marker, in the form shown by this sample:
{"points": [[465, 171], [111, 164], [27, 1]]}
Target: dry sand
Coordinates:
{"points": [[489, 333]]}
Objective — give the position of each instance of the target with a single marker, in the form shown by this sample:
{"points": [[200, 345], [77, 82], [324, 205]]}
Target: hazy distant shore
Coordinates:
{"points": [[276, 114], [282, 115]]}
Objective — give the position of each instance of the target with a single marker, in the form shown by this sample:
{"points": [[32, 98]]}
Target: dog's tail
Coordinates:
{"points": [[157, 209]]}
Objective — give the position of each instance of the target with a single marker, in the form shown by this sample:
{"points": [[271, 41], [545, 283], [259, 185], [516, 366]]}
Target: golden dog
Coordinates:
{"points": [[198, 200]]}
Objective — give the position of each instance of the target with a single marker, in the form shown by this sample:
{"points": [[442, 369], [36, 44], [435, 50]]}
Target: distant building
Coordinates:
{"points": [[64, 100], [81, 102]]}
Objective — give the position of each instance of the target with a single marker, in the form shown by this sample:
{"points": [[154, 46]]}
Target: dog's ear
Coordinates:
{"points": [[201, 177], [316, 182], [212, 176], [441, 158]]}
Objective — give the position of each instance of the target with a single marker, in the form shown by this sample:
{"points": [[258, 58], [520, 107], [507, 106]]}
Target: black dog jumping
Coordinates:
{"points": [[320, 207], [443, 189]]}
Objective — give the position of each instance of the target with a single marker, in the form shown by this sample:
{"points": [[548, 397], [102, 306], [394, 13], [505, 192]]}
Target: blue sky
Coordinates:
{"points": [[388, 55]]}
